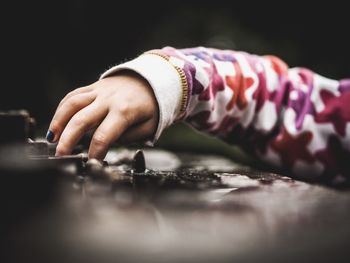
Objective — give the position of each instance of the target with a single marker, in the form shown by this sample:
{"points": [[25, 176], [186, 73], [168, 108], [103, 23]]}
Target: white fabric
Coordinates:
{"points": [[165, 82]]}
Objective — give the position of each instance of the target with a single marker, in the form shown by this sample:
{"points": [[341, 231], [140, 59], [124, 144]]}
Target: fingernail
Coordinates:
{"points": [[50, 136]]}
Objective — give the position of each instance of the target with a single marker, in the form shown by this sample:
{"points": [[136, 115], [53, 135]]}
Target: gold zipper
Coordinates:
{"points": [[183, 81]]}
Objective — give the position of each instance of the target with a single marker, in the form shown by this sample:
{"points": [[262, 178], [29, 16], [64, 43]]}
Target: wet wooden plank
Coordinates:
{"points": [[191, 207]]}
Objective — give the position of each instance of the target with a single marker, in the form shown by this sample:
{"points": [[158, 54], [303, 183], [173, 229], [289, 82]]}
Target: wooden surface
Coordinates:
{"points": [[188, 208]]}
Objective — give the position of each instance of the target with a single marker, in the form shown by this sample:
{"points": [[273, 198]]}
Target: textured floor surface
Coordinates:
{"points": [[185, 207]]}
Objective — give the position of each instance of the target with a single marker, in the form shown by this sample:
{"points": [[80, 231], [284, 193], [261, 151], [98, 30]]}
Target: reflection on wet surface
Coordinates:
{"points": [[182, 207]]}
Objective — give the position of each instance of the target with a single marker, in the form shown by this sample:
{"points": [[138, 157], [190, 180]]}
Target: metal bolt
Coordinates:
{"points": [[138, 162]]}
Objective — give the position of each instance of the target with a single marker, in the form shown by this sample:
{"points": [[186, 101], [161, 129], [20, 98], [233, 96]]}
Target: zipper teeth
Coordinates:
{"points": [[183, 81]]}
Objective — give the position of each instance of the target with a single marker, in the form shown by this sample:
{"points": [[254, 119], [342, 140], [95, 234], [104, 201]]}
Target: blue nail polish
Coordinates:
{"points": [[50, 136]]}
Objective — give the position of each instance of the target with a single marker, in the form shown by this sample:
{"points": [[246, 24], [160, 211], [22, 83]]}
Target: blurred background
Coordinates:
{"points": [[53, 47]]}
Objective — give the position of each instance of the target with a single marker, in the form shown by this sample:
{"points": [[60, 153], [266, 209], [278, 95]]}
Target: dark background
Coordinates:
{"points": [[53, 47]]}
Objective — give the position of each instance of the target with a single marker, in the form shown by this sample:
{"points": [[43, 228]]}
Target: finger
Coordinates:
{"points": [[139, 132], [80, 123], [65, 113], [108, 132], [75, 92]]}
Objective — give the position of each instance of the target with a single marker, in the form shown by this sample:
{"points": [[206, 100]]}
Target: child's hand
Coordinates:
{"points": [[122, 107]]}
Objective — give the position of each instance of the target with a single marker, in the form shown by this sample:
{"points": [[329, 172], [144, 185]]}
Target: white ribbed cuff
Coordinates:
{"points": [[165, 82]]}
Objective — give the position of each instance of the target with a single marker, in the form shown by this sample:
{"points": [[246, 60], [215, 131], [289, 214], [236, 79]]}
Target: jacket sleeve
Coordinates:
{"points": [[291, 118]]}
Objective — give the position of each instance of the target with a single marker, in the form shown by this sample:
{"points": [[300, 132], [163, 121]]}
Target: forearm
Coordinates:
{"points": [[291, 118]]}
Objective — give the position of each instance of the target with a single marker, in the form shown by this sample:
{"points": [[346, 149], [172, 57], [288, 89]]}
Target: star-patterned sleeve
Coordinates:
{"points": [[291, 118]]}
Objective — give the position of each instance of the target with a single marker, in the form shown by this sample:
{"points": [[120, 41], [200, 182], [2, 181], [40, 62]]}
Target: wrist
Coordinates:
{"points": [[165, 82]]}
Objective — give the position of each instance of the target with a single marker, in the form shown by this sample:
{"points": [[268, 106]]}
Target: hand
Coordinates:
{"points": [[122, 107]]}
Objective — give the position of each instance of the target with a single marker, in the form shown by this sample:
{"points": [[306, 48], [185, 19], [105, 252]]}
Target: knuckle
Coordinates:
{"points": [[100, 140], [63, 100], [123, 108], [124, 112], [74, 101], [78, 89], [69, 94], [75, 90], [80, 120]]}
